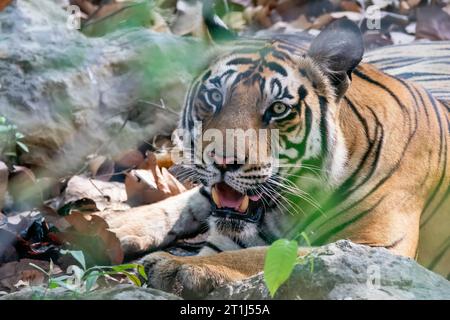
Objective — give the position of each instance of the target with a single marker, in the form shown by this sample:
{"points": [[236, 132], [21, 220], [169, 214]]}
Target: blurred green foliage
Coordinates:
{"points": [[10, 141]]}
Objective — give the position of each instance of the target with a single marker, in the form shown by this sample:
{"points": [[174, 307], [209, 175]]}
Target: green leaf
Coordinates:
{"points": [[53, 284], [133, 278], [280, 261], [61, 278], [141, 271], [306, 238], [122, 267], [78, 255], [57, 283], [19, 135], [22, 146], [10, 154], [92, 280]]}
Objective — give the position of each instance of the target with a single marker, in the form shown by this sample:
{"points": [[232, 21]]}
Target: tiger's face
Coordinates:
{"points": [[249, 103]]}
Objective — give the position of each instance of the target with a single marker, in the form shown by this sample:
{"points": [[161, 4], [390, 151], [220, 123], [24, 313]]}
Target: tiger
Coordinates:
{"points": [[362, 155]]}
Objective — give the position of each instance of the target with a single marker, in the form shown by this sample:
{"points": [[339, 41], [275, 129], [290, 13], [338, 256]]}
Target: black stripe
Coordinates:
{"points": [[416, 106], [323, 239], [280, 55], [239, 61], [239, 243], [266, 236], [336, 196], [363, 76], [289, 48], [442, 146], [206, 75], [239, 77], [308, 122], [425, 109], [285, 95], [189, 123], [377, 153], [302, 92], [213, 246], [276, 67], [350, 180], [323, 124], [262, 84], [440, 255]]}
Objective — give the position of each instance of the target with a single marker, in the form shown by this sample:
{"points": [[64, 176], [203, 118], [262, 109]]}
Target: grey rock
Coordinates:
{"points": [[72, 95], [119, 292], [345, 270]]}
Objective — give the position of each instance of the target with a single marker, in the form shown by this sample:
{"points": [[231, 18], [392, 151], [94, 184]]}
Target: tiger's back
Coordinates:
{"points": [[426, 64], [417, 133]]}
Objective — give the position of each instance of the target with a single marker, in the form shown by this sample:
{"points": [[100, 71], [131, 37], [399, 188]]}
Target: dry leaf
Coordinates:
{"points": [[401, 38], [86, 6], [447, 9], [404, 7], [4, 4], [150, 183], [235, 20], [259, 15], [413, 3], [354, 16], [23, 188], [103, 195], [129, 159], [432, 23], [292, 9], [189, 19], [95, 163], [159, 23], [101, 168], [7, 251], [375, 39], [382, 3], [91, 233], [301, 23], [19, 272], [322, 21], [348, 5]]}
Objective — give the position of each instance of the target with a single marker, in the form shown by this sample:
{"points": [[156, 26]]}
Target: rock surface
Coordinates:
{"points": [[72, 95], [119, 292], [344, 270], [341, 270]]}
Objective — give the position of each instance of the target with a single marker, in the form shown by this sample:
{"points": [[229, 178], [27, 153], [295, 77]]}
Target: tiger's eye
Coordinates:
{"points": [[216, 96], [279, 108]]}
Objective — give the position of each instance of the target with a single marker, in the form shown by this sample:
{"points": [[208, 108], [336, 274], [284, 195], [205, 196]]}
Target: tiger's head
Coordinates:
{"points": [[264, 89]]}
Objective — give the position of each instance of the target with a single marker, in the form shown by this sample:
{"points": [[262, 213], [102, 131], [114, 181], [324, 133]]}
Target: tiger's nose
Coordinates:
{"points": [[225, 163]]}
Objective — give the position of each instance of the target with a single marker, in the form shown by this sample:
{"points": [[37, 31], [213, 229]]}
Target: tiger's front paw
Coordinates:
{"points": [[185, 276]]}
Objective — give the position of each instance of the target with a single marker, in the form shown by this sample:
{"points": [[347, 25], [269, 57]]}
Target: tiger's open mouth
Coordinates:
{"points": [[230, 203]]}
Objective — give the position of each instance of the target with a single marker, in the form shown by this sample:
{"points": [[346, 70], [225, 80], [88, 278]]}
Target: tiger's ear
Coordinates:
{"points": [[338, 49]]}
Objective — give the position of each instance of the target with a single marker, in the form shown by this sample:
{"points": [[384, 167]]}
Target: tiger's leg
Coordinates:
{"points": [[157, 225], [196, 276]]}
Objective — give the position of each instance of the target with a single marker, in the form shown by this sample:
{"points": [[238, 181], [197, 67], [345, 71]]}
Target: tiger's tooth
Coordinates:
{"points": [[215, 197], [244, 204]]}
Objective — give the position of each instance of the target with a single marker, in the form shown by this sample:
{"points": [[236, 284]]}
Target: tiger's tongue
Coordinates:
{"points": [[225, 196], [228, 197]]}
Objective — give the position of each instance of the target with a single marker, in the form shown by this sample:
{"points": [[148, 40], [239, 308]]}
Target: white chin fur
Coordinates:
{"points": [[248, 231]]}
